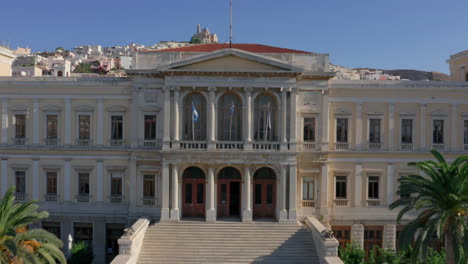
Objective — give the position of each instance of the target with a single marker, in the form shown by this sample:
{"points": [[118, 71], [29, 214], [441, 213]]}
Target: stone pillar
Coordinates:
{"points": [[357, 235], [134, 113], [100, 122], [324, 183], [422, 128], [293, 117], [391, 127], [66, 231], [175, 138], [247, 213], [134, 196], [284, 118], [165, 192], [283, 213], [359, 130], [390, 183], [35, 178], [211, 118], [292, 192], [36, 126], [358, 186], [248, 119], [99, 241], [5, 121], [325, 122], [211, 212], [167, 118], [454, 128], [4, 175], [389, 237], [175, 194], [99, 182], [68, 121], [67, 180]]}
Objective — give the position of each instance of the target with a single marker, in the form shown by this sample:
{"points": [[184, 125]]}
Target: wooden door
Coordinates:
{"points": [[342, 234], [372, 237], [193, 203], [228, 196], [264, 198]]}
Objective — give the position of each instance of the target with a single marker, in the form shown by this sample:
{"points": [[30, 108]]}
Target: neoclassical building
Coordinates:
{"points": [[211, 132]]}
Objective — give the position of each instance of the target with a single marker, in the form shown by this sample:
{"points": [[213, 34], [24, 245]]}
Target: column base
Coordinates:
{"points": [[248, 146], [165, 214], [175, 214], [211, 146], [247, 216], [284, 146], [292, 145], [283, 215], [292, 215], [324, 146], [166, 145], [175, 145], [210, 215]]}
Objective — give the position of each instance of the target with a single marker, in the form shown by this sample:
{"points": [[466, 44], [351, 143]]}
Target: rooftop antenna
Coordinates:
{"points": [[230, 24]]}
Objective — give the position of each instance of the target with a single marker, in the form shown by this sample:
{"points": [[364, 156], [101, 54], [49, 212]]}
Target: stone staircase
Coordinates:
{"points": [[227, 242]]}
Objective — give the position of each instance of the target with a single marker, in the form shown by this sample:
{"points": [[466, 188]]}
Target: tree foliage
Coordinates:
{"points": [[195, 40], [81, 253]]}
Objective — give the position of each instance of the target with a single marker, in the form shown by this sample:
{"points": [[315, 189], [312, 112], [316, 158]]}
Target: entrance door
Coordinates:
{"points": [[193, 193], [264, 193], [229, 192]]}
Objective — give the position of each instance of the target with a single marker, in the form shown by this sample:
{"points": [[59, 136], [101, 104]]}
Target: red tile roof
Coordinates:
{"points": [[255, 48]]}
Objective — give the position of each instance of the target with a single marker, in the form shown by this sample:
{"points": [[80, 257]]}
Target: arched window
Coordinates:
{"points": [[59, 74], [194, 117], [265, 112], [229, 118]]}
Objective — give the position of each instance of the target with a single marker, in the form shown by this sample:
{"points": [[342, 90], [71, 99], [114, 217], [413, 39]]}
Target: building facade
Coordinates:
{"points": [[458, 63], [6, 60], [210, 132]]}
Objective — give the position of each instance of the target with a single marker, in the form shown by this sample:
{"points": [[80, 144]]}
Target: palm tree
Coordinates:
{"points": [[441, 201], [19, 245]]}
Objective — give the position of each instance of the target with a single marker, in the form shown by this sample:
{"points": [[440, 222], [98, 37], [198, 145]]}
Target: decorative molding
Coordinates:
{"points": [[83, 168], [51, 167], [150, 108], [20, 108], [117, 108], [116, 168], [439, 112], [20, 166], [407, 114], [84, 108], [51, 108], [342, 111]]}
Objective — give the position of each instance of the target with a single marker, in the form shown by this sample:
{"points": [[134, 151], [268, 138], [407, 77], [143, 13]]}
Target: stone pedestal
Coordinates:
{"points": [[292, 216], [389, 237], [165, 214], [175, 216], [247, 216], [211, 215], [357, 235], [283, 215]]}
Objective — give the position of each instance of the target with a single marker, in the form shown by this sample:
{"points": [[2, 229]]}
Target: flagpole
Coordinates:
{"points": [[230, 24]]}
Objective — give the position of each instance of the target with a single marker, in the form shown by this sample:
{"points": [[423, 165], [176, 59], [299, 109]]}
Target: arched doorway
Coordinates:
{"points": [[193, 192], [59, 74], [229, 192], [264, 193]]}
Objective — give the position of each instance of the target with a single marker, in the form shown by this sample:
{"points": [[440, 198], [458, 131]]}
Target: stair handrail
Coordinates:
{"points": [[325, 243], [131, 242]]}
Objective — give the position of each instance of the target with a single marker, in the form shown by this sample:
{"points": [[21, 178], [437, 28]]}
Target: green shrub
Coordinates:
{"points": [[81, 253], [352, 254]]}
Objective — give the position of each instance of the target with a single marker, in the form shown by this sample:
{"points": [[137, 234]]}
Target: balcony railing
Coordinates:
{"points": [[266, 145], [309, 146], [20, 196], [373, 203], [341, 146], [230, 145], [308, 203], [20, 141], [51, 197], [149, 143], [116, 199], [116, 142], [406, 147], [51, 141], [84, 142], [83, 198], [193, 144], [438, 147], [341, 202], [375, 146], [150, 201]]}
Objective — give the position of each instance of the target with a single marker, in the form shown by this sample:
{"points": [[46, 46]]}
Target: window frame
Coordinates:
{"points": [[315, 122], [15, 125], [122, 115], [444, 130], [78, 183], [24, 183], [45, 122], [348, 129], [379, 186], [413, 134], [381, 136], [303, 184], [346, 189], [111, 184], [155, 125], [90, 114]]}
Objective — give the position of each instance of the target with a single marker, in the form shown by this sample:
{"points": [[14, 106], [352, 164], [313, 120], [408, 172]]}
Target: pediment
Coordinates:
{"points": [[231, 60], [20, 108], [439, 113], [84, 108], [51, 108], [342, 111], [117, 108], [150, 108]]}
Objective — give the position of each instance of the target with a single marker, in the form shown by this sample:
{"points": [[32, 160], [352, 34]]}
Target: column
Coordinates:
{"points": [[283, 213], [422, 128], [165, 192], [325, 122], [211, 118], [68, 121], [359, 130], [391, 127], [454, 129], [389, 237], [390, 183], [134, 118], [247, 182], [36, 127], [293, 124], [323, 192], [284, 119], [358, 185], [99, 241], [4, 175], [99, 184], [35, 179], [292, 192], [248, 119], [134, 195], [66, 180], [167, 118], [175, 138], [357, 235], [5, 121], [175, 194], [211, 212], [100, 122]]}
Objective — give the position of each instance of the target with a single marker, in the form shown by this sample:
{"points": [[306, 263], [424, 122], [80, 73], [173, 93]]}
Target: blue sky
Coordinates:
{"points": [[398, 34]]}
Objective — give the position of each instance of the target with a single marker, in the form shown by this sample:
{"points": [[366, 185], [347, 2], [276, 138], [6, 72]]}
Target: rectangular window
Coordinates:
{"points": [[407, 131], [20, 181], [223, 193], [52, 128], [148, 186], [438, 132], [117, 127], [83, 183], [341, 187], [150, 127], [20, 126], [188, 193], [83, 232], [465, 132], [342, 130], [84, 126], [258, 193], [269, 194], [373, 187], [51, 182], [116, 184], [307, 188], [52, 227], [200, 193], [309, 129], [374, 130]]}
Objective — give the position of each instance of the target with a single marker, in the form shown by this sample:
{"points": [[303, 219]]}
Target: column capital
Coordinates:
{"points": [[211, 89], [4, 158], [293, 90], [248, 89], [67, 159], [284, 90], [100, 160], [36, 158]]}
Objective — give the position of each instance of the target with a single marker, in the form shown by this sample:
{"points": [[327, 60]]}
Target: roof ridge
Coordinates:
{"points": [[250, 47]]}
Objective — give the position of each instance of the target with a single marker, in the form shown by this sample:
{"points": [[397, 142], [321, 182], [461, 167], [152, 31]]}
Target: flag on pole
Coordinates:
{"points": [[194, 114], [232, 108]]}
